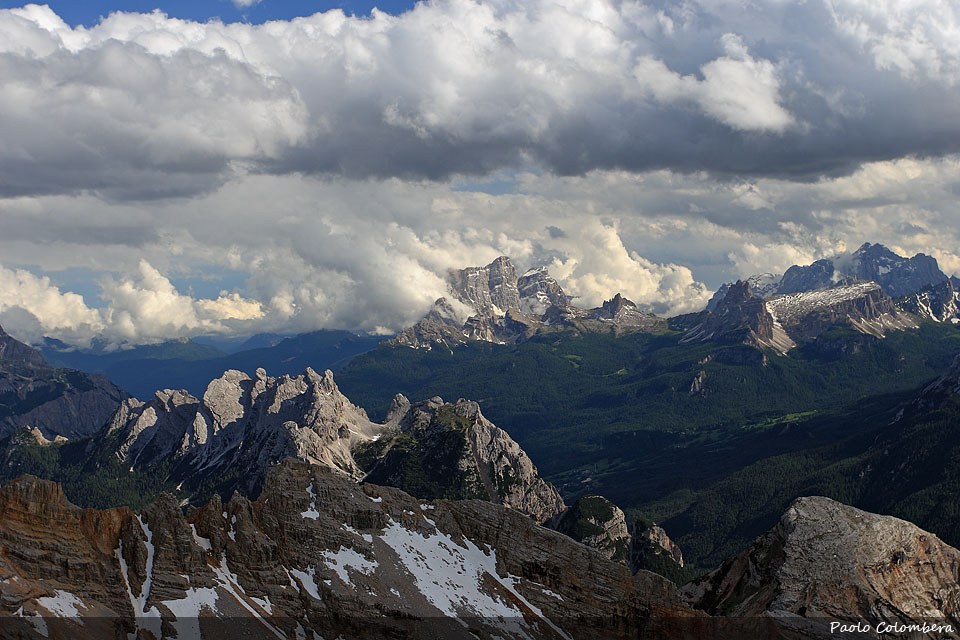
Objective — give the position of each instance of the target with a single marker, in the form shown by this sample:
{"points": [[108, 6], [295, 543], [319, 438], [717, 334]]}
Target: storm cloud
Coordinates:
{"points": [[143, 106]]}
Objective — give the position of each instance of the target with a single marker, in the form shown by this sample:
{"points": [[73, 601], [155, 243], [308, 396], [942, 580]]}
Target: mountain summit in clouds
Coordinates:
{"points": [[492, 304], [896, 275]]}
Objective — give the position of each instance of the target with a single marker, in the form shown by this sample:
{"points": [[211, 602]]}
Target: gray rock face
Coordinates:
{"points": [[827, 559], [602, 525], [505, 309], [315, 554], [539, 291], [939, 302], [440, 326], [655, 534], [897, 276], [490, 290], [450, 450], [240, 423], [15, 352], [598, 523], [762, 285], [58, 402], [739, 317], [862, 306], [818, 275], [784, 320]]}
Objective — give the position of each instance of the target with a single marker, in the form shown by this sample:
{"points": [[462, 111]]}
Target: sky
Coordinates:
{"points": [[233, 168]]}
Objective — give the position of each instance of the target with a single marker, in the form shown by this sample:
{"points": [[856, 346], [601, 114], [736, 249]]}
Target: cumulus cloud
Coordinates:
{"points": [[372, 256], [143, 106], [604, 266], [736, 89], [143, 308], [655, 149]]}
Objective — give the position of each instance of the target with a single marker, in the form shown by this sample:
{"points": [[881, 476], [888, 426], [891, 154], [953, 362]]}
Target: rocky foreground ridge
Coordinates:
{"points": [[55, 402], [826, 559], [434, 449], [317, 553], [228, 439], [314, 554], [239, 423]]}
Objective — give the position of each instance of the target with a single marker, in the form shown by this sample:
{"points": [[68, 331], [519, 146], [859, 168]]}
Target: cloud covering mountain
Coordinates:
{"points": [[342, 164]]}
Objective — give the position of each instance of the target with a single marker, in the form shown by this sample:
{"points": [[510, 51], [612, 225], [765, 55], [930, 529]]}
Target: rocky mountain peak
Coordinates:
{"points": [[654, 534], [897, 276], [14, 351], [862, 306], [939, 302], [739, 316], [739, 293], [598, 523], [399, 407], [539, 291], [315, 556], [450, 450], [242, 422], [505, 309], [58, 402], [616, 306], [762, 285], [783, 320], [490, 290], [826, 559]]}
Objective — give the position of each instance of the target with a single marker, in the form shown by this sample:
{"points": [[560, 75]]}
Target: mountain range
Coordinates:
{"points": [[897, 276], [648, 475]]}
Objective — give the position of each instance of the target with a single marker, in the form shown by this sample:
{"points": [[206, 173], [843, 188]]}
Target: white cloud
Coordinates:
{"points": [[659, 146], [32, 305], [918, 38], [372, 256], [600, 266], [736, 89], [142, 308], [143, 106]]}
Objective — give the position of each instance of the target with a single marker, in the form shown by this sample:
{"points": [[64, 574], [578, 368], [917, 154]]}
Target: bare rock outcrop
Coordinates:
{"points": [[740, 316], [826, 559], [598, 523], [654, 533], [450, 450], [862, 306], [491, 304], [240, 423]]}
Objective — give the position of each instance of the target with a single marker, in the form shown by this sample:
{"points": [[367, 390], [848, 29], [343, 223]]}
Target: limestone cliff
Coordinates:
{"points": [[240, 423]]}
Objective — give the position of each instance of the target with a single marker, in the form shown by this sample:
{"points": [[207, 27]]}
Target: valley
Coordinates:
{"points": [[666, 445]]}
